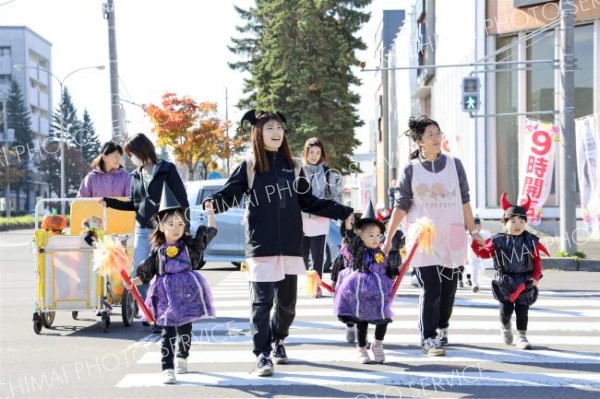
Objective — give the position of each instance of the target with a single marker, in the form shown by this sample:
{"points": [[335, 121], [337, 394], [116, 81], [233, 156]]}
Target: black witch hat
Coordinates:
{"points": [[168, 200], [368, 216]]}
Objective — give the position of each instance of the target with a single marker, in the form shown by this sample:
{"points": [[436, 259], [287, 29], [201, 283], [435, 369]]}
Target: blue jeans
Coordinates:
{"points": [[141, 250]]}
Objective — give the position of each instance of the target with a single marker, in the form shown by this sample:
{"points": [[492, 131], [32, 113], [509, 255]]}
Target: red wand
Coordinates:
{"points": [[137, 297], [404, 268]]}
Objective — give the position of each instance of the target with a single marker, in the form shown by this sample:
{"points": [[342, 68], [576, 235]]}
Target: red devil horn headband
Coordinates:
{"points": [[506, 204]]}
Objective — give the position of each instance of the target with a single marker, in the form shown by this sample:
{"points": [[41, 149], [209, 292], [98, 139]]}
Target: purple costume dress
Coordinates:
{"points": [[178, 294], [363, 289]]}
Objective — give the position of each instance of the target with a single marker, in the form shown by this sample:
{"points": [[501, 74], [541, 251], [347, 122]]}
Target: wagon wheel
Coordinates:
{"points": [[128, 308], [47, 319], [37, 323], [75, 314], [105, 322]]}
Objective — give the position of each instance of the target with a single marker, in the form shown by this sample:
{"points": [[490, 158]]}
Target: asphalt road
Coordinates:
{"points": [[75, 359]]}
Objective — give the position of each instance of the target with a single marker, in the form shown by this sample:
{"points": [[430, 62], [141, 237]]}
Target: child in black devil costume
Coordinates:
{"points": [[518, 265]]}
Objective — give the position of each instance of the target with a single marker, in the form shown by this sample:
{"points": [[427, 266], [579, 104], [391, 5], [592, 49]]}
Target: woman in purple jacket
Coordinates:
{"points": [[108, 178]]}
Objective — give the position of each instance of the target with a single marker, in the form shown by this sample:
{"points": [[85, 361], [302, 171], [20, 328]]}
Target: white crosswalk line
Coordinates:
{"points": [[559, 323]]}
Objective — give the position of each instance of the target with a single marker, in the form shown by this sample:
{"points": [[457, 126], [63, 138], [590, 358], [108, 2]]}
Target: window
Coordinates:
{"points": [[507, 127], [540, 79], [4, 51], [584, 70]]}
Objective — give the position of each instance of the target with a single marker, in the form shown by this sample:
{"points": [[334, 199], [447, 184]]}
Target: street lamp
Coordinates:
{"points": [[20, 67]]}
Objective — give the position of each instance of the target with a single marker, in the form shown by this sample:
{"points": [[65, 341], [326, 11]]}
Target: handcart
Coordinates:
{"points": [[65, 278]]}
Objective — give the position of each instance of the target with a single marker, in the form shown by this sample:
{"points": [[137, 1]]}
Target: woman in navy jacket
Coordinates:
{"points": [[146, 190], [277, 192]]}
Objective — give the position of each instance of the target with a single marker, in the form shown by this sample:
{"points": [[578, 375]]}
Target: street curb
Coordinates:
{"points": [[570, 264]]}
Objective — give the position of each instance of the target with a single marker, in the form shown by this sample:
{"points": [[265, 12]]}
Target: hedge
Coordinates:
{"points": [[16, 223]]}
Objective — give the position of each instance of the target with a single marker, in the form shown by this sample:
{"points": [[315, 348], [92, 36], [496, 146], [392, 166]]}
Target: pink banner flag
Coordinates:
{"points": [[537, 166]]}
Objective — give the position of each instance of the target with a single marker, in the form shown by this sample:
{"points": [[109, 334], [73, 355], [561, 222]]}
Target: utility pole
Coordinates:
{"points": [[8, 207], [115, 106], [568, 163], [227, 129]]}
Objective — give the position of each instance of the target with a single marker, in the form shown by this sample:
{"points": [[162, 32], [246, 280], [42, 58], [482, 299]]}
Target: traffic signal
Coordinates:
{"points": [[470, 94]]}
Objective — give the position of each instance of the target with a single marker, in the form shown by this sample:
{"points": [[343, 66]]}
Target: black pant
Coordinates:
{"points": [[522, 311], [267, 327], [316, 247], [361, 332], [169, 336], [437, 298]]}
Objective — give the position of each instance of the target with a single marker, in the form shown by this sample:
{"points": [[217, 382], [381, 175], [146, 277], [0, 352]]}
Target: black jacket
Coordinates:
{"points": [[151, 266], [146, 203], [274, 219]]}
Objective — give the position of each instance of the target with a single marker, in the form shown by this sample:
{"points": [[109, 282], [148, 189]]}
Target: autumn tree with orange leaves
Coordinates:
{"points": [[192, 130]]}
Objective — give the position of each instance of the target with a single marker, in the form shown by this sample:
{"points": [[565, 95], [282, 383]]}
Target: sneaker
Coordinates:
{"points": [[377, 348], [319, 293], [264, 367], [522, 342], [431, 347], [507, 334], [168, 376], [442, 336], [475, 288], [460, 284], [279, 353], [181, 367], [363, 355], [351, 334]]}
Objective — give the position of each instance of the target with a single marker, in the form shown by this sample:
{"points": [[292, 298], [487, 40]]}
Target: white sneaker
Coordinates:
{"points": [[363, 355], [351, 334], [377, 349], [442, 336], [168, 376], [522, 342], [432, 347], [181, 367], [507, 334]]}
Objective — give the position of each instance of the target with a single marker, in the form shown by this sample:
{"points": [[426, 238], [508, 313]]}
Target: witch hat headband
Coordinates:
{"points": [[168, 200], [514, 210], [368, 216]]}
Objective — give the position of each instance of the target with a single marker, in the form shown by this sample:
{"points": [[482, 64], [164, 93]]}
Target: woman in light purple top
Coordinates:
{"points": [[108, 178]]}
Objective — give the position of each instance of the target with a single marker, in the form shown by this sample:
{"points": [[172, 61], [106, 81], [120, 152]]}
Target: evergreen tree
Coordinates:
{"points": [[88, 140], [71, 123], [300, 64], [18, 117]]}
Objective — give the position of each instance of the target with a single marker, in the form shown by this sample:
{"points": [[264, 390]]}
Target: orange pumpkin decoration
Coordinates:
{"points": [[54, 223]]}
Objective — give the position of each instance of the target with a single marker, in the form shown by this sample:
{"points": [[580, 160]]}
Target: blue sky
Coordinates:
{"points": [[154, 42]]}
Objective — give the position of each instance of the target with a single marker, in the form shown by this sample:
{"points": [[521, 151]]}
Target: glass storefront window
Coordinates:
{"points": [[540, 79], [584, 70], [506, 155]]}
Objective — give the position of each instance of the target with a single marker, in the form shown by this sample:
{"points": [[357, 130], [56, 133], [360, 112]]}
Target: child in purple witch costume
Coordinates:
{"points": [[178, 295], [363, 288]]}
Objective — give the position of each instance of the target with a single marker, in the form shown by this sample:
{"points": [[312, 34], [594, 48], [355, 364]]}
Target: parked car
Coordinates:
{"points": [[230, 243]]}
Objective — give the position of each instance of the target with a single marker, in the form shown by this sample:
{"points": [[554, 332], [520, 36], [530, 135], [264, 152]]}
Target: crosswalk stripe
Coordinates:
{"points": [[408, 380], [482, 301], [469, 356], [206, 337], [242, 310], [535, 326]]}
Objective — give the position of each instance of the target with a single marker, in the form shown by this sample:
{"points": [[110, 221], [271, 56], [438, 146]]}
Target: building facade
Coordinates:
{"points": [[482, 38], [20, 45]]}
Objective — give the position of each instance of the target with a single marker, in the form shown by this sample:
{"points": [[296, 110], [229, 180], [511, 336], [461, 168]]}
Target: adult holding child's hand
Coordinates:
{"points": [[435, 186]]}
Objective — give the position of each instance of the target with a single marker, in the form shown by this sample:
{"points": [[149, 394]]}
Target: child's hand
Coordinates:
{"points": [[478, 239], [534, 282], [348, 223], [208, 207], [102, 202], [135, 281]]}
